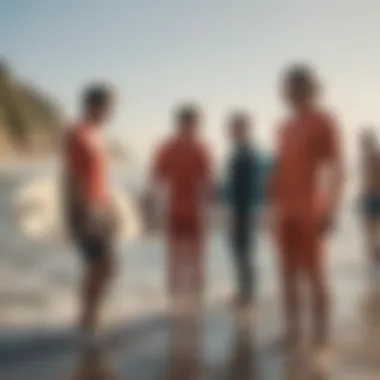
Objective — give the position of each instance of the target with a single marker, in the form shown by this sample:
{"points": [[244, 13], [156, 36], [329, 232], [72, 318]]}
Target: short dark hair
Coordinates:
{"points": [[96, 95], [368, 134], [239, 118], [187, 114], [300, 74]]}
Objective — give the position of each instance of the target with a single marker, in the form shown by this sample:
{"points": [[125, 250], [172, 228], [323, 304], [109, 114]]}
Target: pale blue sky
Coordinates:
{"points": [[223, 53]]}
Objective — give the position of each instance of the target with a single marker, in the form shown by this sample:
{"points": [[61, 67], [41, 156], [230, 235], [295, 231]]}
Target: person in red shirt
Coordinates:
{"points": [[182, 165], [305, 193], [88, 205]]}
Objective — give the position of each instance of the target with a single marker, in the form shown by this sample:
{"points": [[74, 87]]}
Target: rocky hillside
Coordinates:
{"points": [[29, 120]]}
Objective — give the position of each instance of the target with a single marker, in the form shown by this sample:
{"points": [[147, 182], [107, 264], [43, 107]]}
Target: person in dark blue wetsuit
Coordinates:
{"points": [[242, 192], [370, 198]]}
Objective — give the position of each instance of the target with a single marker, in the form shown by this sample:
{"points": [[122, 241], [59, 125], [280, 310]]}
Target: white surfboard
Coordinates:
{"points": [[39, 215]]}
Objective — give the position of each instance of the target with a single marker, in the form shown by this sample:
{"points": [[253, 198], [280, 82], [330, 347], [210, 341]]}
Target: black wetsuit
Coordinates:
{"points": [[242, 185]]}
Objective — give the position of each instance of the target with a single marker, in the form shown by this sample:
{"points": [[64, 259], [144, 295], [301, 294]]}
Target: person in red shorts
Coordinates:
{"points": [[305, 193], [182, 166], [90, 216]]}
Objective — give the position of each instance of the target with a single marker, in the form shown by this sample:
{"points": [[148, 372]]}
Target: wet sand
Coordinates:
{"points": [[217, 347], [38, 307]]}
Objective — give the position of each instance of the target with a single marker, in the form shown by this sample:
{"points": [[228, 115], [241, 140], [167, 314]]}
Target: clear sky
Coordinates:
{"points": [[224, 53]]}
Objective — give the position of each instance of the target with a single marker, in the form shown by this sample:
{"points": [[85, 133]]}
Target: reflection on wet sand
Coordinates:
{"points": [[300, 367], [242, 364], [371, 309], [185, 349], [369, 339], [93, 365]]}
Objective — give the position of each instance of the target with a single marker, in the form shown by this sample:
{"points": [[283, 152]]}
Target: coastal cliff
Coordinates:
{"points": [[30, 121]]}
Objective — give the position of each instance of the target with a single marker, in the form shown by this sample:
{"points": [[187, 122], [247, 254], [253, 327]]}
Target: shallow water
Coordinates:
{"points": [[38, 282], [38, 286]]}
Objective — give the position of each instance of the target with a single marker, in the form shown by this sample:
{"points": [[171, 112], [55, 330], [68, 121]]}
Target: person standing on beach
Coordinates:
{"points": [[370, 196], [242, 182], [182, 166], [305, 194], [91, 217]]}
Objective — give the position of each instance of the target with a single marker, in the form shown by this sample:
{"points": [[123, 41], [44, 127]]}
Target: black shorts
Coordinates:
{"points": [[371, 207], [94, 248], [242, 231]]}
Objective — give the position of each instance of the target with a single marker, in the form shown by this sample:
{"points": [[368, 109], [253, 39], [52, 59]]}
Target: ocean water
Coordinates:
{"points": [[39, 282]]}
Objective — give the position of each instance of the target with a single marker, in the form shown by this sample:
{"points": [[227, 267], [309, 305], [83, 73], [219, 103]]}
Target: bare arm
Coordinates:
{"points": [[157, 173], [274, 177], [156, 178], [332, 153], [208, 180]]}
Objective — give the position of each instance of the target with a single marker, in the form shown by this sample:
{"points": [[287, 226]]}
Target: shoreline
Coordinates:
{"points": [[13, 165], [22, 158]]}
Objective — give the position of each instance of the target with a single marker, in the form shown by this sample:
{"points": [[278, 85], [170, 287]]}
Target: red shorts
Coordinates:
{"points": [[185, 234], [185, 252], [184, 227], [300, 242]]}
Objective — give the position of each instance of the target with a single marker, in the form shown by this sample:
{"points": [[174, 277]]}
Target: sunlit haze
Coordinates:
{"points": [[224, 54]]}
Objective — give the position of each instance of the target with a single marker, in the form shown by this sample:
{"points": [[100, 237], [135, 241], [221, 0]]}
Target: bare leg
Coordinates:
{"points": [[289, 264], [175, 269], [291, 303], [95, 283], [197, 281], [372, 230], [321, 311], [319, 300]]}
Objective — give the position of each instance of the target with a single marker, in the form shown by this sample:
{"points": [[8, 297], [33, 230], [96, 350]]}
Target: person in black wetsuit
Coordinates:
{"points": [[242, 182], [370, 198]]}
